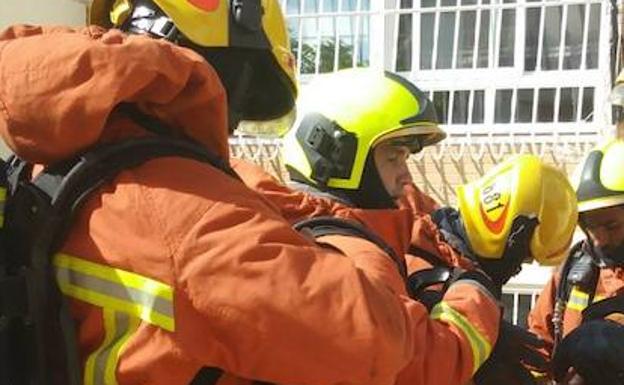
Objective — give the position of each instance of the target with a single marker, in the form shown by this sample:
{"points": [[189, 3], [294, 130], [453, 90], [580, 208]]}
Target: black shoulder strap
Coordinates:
{"points": [[324, 225], [39, 214], [578, 270]]}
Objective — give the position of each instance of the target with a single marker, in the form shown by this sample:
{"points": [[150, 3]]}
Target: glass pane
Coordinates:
{"points": [[524, 306], [406, 4], [524, 106], [448, 2], [330, 5], [309, 46], [445, 40], [574, 37], [507, 38], [587, 112], [502, 109], [328, 45], [346, 30], [551, 38], [468, 2], [484, 38], [477, 106], [467, 20], [311, 6], [404, 42], [426, 40], [568, 103], [593, 34], [365, 5], [460, 107], [292, 7], [364, 42], [427, 3], [531, 37], [441, 101], [545, 104], [508, 306], [348, 5]]}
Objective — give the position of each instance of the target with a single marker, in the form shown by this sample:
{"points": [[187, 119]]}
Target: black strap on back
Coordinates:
{"points": [[39, 214], [578, 270], [321, 226], [602, 309]]}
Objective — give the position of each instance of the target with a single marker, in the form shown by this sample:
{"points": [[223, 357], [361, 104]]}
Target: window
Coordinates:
{"points": [[459, 107], [456, 36], [516, 307], [327, 35], [575, 48]]}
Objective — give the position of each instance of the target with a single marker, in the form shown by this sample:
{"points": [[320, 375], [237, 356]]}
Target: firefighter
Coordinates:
{"points": [[578, 311], [178, 273]]}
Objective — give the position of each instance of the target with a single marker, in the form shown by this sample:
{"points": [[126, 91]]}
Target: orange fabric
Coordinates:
{"points": [[443, 355], [610, 284], [250, 295]]}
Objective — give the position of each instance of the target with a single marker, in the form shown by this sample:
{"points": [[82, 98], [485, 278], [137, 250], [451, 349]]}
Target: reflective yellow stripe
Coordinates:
{"points": [[101, 365], [3, 192], [115, 289], [598, 298], [480, 346], [578, 299]]}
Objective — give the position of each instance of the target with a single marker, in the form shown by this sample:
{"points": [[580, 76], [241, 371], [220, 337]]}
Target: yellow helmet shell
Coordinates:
{"points": [[367, 104], [599, 178], [522, 185], [208, 23]]}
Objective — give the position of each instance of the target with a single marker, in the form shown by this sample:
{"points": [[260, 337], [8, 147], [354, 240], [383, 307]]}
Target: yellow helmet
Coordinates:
{"points": [[343, 115], [599, 179], [230, 34], [520, 186]]}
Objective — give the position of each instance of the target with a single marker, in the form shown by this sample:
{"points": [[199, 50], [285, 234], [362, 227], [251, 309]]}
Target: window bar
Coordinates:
{"points": [[337, 36], [394, 49], [356, 38], [492, 37], [415, 38], [533, 299], [562, 34], [300, 38], [516, 300], [449, 113], [319, 42], [498, 23], [535, 99], [436, 25], [520, 38], [512, 107], [585, 35], [471, 97], [455, 46], [540, 39], [475, 53], [556, 104]]}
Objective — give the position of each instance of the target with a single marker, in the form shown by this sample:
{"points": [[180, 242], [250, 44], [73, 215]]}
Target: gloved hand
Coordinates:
{"points": [[516, 251], [595, 350], [515, 349]]}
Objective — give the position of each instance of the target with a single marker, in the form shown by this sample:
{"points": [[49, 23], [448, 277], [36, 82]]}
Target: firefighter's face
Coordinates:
{"points": [[605, 227], [391, 164]]}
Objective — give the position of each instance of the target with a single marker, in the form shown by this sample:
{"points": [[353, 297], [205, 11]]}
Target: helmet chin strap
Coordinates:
{"points": [[146, 18]]}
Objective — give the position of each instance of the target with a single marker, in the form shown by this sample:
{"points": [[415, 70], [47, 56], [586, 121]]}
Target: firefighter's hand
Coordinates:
{"points": [[515, 349], [516, 251], [594, 351]]}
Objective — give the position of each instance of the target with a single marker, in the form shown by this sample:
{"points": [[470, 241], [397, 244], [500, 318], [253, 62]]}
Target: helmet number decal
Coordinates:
{"points": [[494, 206]]}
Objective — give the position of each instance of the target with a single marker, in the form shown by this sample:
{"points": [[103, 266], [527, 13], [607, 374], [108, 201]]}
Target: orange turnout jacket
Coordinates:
{"points": [[610, 284], [175, 266], [458, 335]]}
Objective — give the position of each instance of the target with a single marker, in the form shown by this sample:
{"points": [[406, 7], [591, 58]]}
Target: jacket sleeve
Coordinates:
{"points": [[540, 318]]}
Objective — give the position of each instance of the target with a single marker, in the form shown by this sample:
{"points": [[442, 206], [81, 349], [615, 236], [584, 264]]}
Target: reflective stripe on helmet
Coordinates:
{"points": [[115, 289], [480, 346]]}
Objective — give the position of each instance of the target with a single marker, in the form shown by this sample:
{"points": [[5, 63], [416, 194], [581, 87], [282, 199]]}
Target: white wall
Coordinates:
{"points": [[66, 12]]}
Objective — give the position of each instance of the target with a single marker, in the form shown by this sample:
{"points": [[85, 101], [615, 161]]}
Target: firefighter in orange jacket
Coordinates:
{"points": [[177, 273], [347, 147], [591, 280]]}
